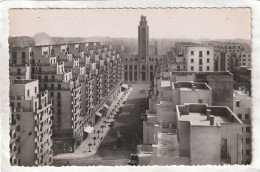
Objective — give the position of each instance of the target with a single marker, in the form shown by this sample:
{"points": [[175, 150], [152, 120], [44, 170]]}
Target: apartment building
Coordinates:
{"points": [[80, 77], [243, 109], [229, 55], [209, 134], [199, 58], [30, 131]]}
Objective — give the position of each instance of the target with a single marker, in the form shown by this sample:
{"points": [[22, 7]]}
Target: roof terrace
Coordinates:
{"points": [[204, 115], [190, 85]]}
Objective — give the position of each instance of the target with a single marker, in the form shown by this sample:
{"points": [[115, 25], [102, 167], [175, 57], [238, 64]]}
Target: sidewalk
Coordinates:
{"points": [[83, 150]]}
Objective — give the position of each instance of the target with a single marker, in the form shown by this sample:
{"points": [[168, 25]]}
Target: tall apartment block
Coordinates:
{"points": [[243, 109], [80, 79], [30, 125]]}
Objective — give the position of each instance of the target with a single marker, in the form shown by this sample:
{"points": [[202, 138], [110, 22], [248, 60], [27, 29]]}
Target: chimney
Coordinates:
{"points": [[211, 119], [208, 112]]}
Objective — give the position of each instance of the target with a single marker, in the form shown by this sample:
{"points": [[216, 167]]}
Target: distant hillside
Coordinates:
{"points": [[130, 44], [21, 41]]}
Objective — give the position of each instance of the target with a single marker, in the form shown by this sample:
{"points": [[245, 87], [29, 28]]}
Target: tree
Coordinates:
{"points": [[98, 133], [105, 122], [102, 126], [89, 145], [94, 138]]}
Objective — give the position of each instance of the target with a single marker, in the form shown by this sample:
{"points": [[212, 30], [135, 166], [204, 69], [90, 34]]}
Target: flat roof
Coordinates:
{"points": [[21, 81], [201, 119], [165, 83], [188, 85], [197, 114], [201, 73]]}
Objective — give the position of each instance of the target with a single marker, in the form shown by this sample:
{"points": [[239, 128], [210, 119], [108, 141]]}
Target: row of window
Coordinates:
{"points": [[200, 68], [245, 117], [200, 53], [200, 61]]}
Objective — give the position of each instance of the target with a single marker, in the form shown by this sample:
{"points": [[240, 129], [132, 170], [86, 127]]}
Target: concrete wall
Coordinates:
{"points": [[205, 145], [27, 136], [233, 132], [222, 90], [165, 114], [148, 134], [184, 138]]}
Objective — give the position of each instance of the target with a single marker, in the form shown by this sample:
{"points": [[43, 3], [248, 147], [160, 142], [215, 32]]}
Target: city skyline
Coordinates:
{"points": [[164, 23]]}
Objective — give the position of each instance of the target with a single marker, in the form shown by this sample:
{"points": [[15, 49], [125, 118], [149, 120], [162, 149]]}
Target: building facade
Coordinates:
{"points": [[80, 78], [243, 109], [30, 131], [209, 134]]}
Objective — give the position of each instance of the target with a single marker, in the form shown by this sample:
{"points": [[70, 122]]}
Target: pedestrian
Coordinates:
{"points": [[68, 162]]}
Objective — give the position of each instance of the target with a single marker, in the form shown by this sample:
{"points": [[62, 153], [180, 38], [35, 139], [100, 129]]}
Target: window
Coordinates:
{"points": [[18, 128], [18, 71], [200, 61], [18, 116], [192, 53], [130, 67], [28, 93], [239, 116], [246, 116], [248, 129], [207, 52], [200, 53], [191, 68], [58, 95], [248, 140], [237, 103], [143, 67], [52, 94], [207, 60], [52, 86], [208, 68], [135, 66], [52, 77], [200, 68], [35, 89], [151, 67], [45, 86], [59, 104], [192, 60], [248, 152], [59, 86], [200, 101], [126, 67]]}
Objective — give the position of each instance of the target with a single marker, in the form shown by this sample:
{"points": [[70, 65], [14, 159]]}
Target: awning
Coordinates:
{"points": [[106, 106], [99, 114], [88, 129], [124, 85]]}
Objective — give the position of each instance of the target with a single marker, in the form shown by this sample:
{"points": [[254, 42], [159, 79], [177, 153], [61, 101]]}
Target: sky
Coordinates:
{"points": [[221, 23]]}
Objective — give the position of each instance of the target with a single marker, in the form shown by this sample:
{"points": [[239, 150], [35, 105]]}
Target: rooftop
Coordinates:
{"points": [[21, 81], [190, 85], [204, 115], [201, 73], [165, 83]]}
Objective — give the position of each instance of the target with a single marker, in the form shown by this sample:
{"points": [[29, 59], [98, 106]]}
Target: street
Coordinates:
{"points": [[128, 125]]}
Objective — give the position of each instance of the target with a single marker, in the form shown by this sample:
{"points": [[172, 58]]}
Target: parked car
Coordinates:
{"points": [[133, 160], [111, 124]]}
